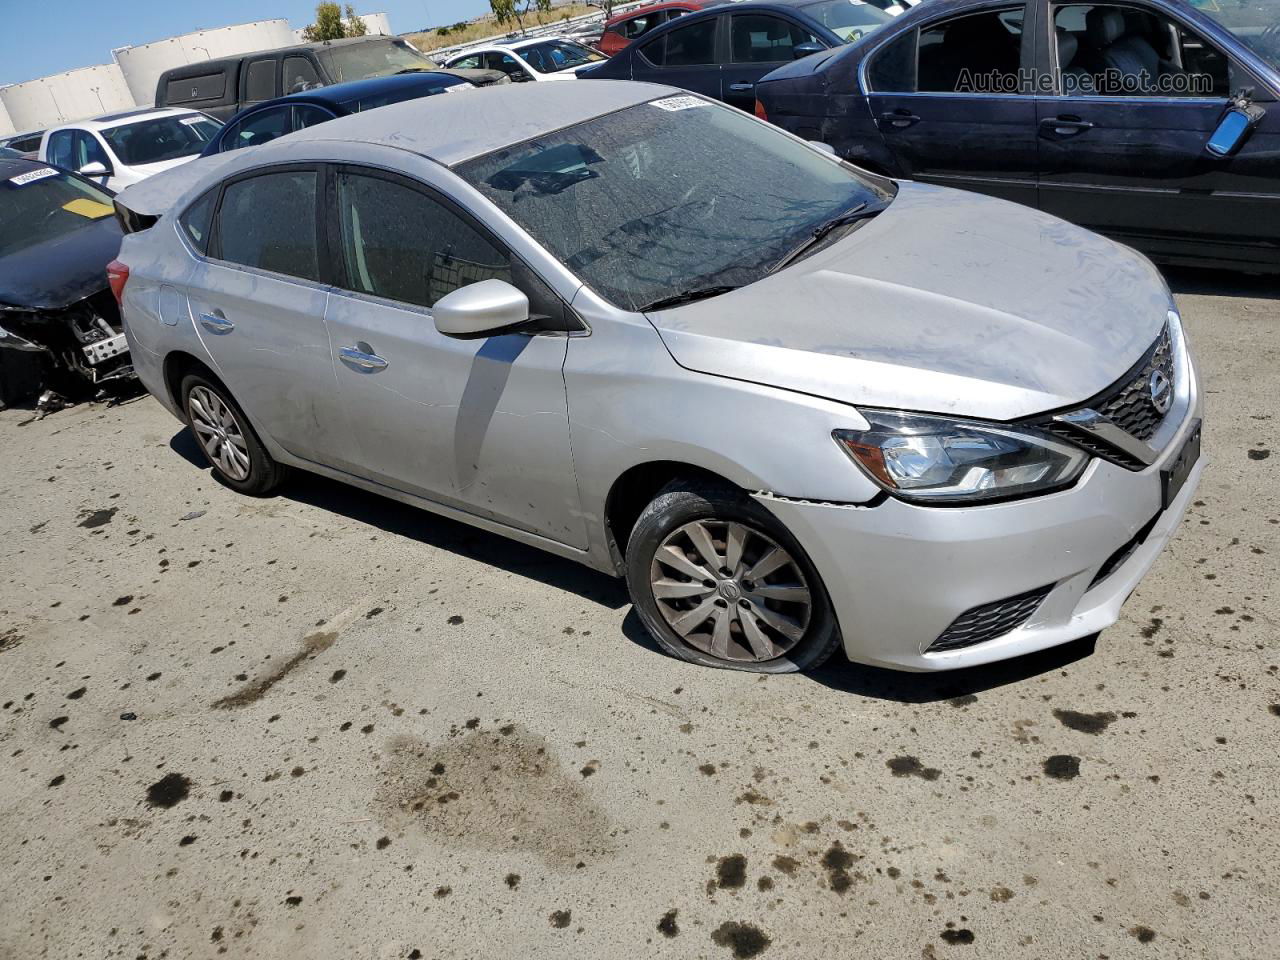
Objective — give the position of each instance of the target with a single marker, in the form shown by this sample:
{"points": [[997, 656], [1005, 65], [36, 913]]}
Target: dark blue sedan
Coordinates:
{"points": [[1153, 121], [270, 119], [722, 51]]}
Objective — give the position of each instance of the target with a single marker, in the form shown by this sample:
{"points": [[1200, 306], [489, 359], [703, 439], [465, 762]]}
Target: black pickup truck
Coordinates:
{"points": [[223, 87]]}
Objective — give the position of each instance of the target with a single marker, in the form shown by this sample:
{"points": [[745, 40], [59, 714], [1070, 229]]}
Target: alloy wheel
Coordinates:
{"points": [[730, 591], [219, 433]]}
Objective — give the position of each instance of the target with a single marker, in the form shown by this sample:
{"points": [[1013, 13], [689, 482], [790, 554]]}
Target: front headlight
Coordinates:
{"points": [[932, 459]]}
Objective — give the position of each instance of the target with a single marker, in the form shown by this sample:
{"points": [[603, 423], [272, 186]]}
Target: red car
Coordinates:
{"points": [[624, 28]]}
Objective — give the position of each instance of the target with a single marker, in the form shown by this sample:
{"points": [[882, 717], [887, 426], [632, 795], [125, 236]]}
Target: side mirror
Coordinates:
{"points": [[807, 48], [824, 147], [95, 169], [1234, 128], [483, 309]]}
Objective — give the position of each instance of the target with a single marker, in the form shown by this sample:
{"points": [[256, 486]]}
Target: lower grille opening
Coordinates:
{"points": [[1125, 551], [990, 620]]}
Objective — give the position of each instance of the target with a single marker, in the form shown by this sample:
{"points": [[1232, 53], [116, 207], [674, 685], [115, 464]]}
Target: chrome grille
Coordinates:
{"points": [[989, 621], [1130, 407]]}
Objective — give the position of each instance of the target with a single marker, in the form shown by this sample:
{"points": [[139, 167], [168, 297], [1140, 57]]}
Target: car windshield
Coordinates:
{"points": [[551, 56], [668, 197], [375, 58], [1255, 23], [850, 20], [43, 204], [160, 138]]}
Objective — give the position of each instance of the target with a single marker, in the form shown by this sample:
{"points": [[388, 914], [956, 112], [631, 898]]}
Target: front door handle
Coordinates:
{"points": [[361, 359], [899, 119], [741, 87], [216, 322], [1059, 128]]}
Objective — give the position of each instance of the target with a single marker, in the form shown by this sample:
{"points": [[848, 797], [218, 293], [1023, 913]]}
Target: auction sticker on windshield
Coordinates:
{"points": [[31, 176], [190, 121], [678, 103]]}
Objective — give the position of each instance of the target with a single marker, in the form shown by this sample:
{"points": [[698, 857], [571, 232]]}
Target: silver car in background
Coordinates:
{"points": [[797, 406]]}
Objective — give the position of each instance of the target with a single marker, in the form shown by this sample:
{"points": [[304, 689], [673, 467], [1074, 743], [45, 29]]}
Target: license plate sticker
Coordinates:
{"points": [[1174, 478]]}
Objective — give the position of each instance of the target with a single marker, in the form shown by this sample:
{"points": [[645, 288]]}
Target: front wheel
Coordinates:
{"points": [[719, 581]]}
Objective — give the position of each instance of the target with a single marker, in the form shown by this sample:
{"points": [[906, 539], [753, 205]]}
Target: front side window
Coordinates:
{"points": [[89, 150], [552, 56], [41, 204], [688, 46], [1253, 22], [308, 115], [160, 138], [849, 21], [762, 38], [268, 222], [61, 149], [373, 58], [401, 244], [257, 128], [467, 63], [668, 196], [300, 74], [966, 54], [260, 83]]}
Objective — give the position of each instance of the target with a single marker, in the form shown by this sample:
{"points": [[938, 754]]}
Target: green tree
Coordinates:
{"points": [[330, 24], [355, 27], [504, 11]]}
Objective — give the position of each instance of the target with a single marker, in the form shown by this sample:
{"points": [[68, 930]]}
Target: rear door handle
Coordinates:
{"points": [[361, 359], [1059, 128], [741, 87], [216, 322], [898, 119]]}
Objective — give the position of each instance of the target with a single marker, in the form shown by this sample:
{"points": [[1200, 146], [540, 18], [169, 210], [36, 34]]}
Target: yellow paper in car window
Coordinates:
{"points": [[91, 209]]}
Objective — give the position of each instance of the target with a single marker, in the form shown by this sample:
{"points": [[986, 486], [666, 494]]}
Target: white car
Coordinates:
{"points": [[120, 149], [545, 59]]}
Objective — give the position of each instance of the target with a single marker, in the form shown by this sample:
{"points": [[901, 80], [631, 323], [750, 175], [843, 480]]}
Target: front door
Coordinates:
{"points": [[1122, 140], [258, 306], [954, 106], [480, 425], [757, 44], [683, 56]]}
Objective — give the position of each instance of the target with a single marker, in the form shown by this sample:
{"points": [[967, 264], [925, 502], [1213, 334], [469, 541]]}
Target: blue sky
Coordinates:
{"points": [[48, 37]]}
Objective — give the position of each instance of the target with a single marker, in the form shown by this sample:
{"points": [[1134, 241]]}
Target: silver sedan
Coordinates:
{"points": [[799, 407]]}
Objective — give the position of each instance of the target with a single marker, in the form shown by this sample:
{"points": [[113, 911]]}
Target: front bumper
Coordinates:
{"points": [[899, 574]]}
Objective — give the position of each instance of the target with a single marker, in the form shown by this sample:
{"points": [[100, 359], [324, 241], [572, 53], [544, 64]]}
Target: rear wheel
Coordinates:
{"points": [[718, 581], [226, 439]]}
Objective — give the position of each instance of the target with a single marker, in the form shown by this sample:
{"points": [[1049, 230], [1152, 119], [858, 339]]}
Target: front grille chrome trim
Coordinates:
{"points": [[1090, 421]]}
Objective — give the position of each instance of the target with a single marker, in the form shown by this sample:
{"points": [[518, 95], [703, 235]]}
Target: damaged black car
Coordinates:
{"points": [[60, 332]]}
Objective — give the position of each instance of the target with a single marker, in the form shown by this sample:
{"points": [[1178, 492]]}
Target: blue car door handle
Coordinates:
{"points": [[216, 322]]}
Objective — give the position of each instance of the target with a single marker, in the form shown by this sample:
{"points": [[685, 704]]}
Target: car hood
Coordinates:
{"points": [[62, 271], [947, 302]]}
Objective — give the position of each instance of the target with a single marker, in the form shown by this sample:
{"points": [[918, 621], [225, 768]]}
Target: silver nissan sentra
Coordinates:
{"points": [[799, 407]]}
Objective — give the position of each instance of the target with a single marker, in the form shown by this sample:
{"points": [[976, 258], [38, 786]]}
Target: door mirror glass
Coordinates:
{"points": [[95, 169], [483, 309], [1232, 131], [807, 48]]}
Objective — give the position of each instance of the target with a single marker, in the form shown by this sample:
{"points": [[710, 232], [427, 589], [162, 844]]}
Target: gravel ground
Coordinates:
{"points": [[327, 725]]}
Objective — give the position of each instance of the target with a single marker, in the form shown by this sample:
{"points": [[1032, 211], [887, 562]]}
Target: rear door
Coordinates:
{"points": [[479, 425], [755, 44], [954, 105], [257, 303], [683, 56], [1122, 137]]}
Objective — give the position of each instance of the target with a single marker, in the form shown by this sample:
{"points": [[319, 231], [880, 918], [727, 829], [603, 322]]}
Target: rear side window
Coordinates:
{"points": [[954, 54], [893, 67], [637, 26], [268, 222], [196, 221], [300, 74], [694, 45], [257, 129], [307, 115], [401, 244], [210, 86], [260, 83]]}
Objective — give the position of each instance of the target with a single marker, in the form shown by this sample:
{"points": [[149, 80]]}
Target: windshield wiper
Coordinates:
{"points": [[862, 211], [687, 296]]}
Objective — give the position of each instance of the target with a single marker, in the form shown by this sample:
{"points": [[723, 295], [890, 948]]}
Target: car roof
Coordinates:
{"points": [[450, 130], [108, 120], [355, 89], [204, 66]]}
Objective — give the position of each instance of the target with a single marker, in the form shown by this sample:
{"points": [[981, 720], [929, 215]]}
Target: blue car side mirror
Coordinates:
{"points": [[1234, 128]]}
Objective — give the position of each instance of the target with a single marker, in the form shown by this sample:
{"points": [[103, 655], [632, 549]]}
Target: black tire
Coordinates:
{"points": [[680, 503], [264, 474]]}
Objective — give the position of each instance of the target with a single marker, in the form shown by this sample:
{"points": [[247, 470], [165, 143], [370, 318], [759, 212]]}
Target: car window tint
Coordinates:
{"points": [[1105, 50], [761, 38], [308, 115], [401, 244], [197, 220], [268, 222], [257, 128], [954, 54], [688, 46], [893, 67], [467, 63], [300, 74], [261, 81], [59, 151], [89, 150], [637, 26]]}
